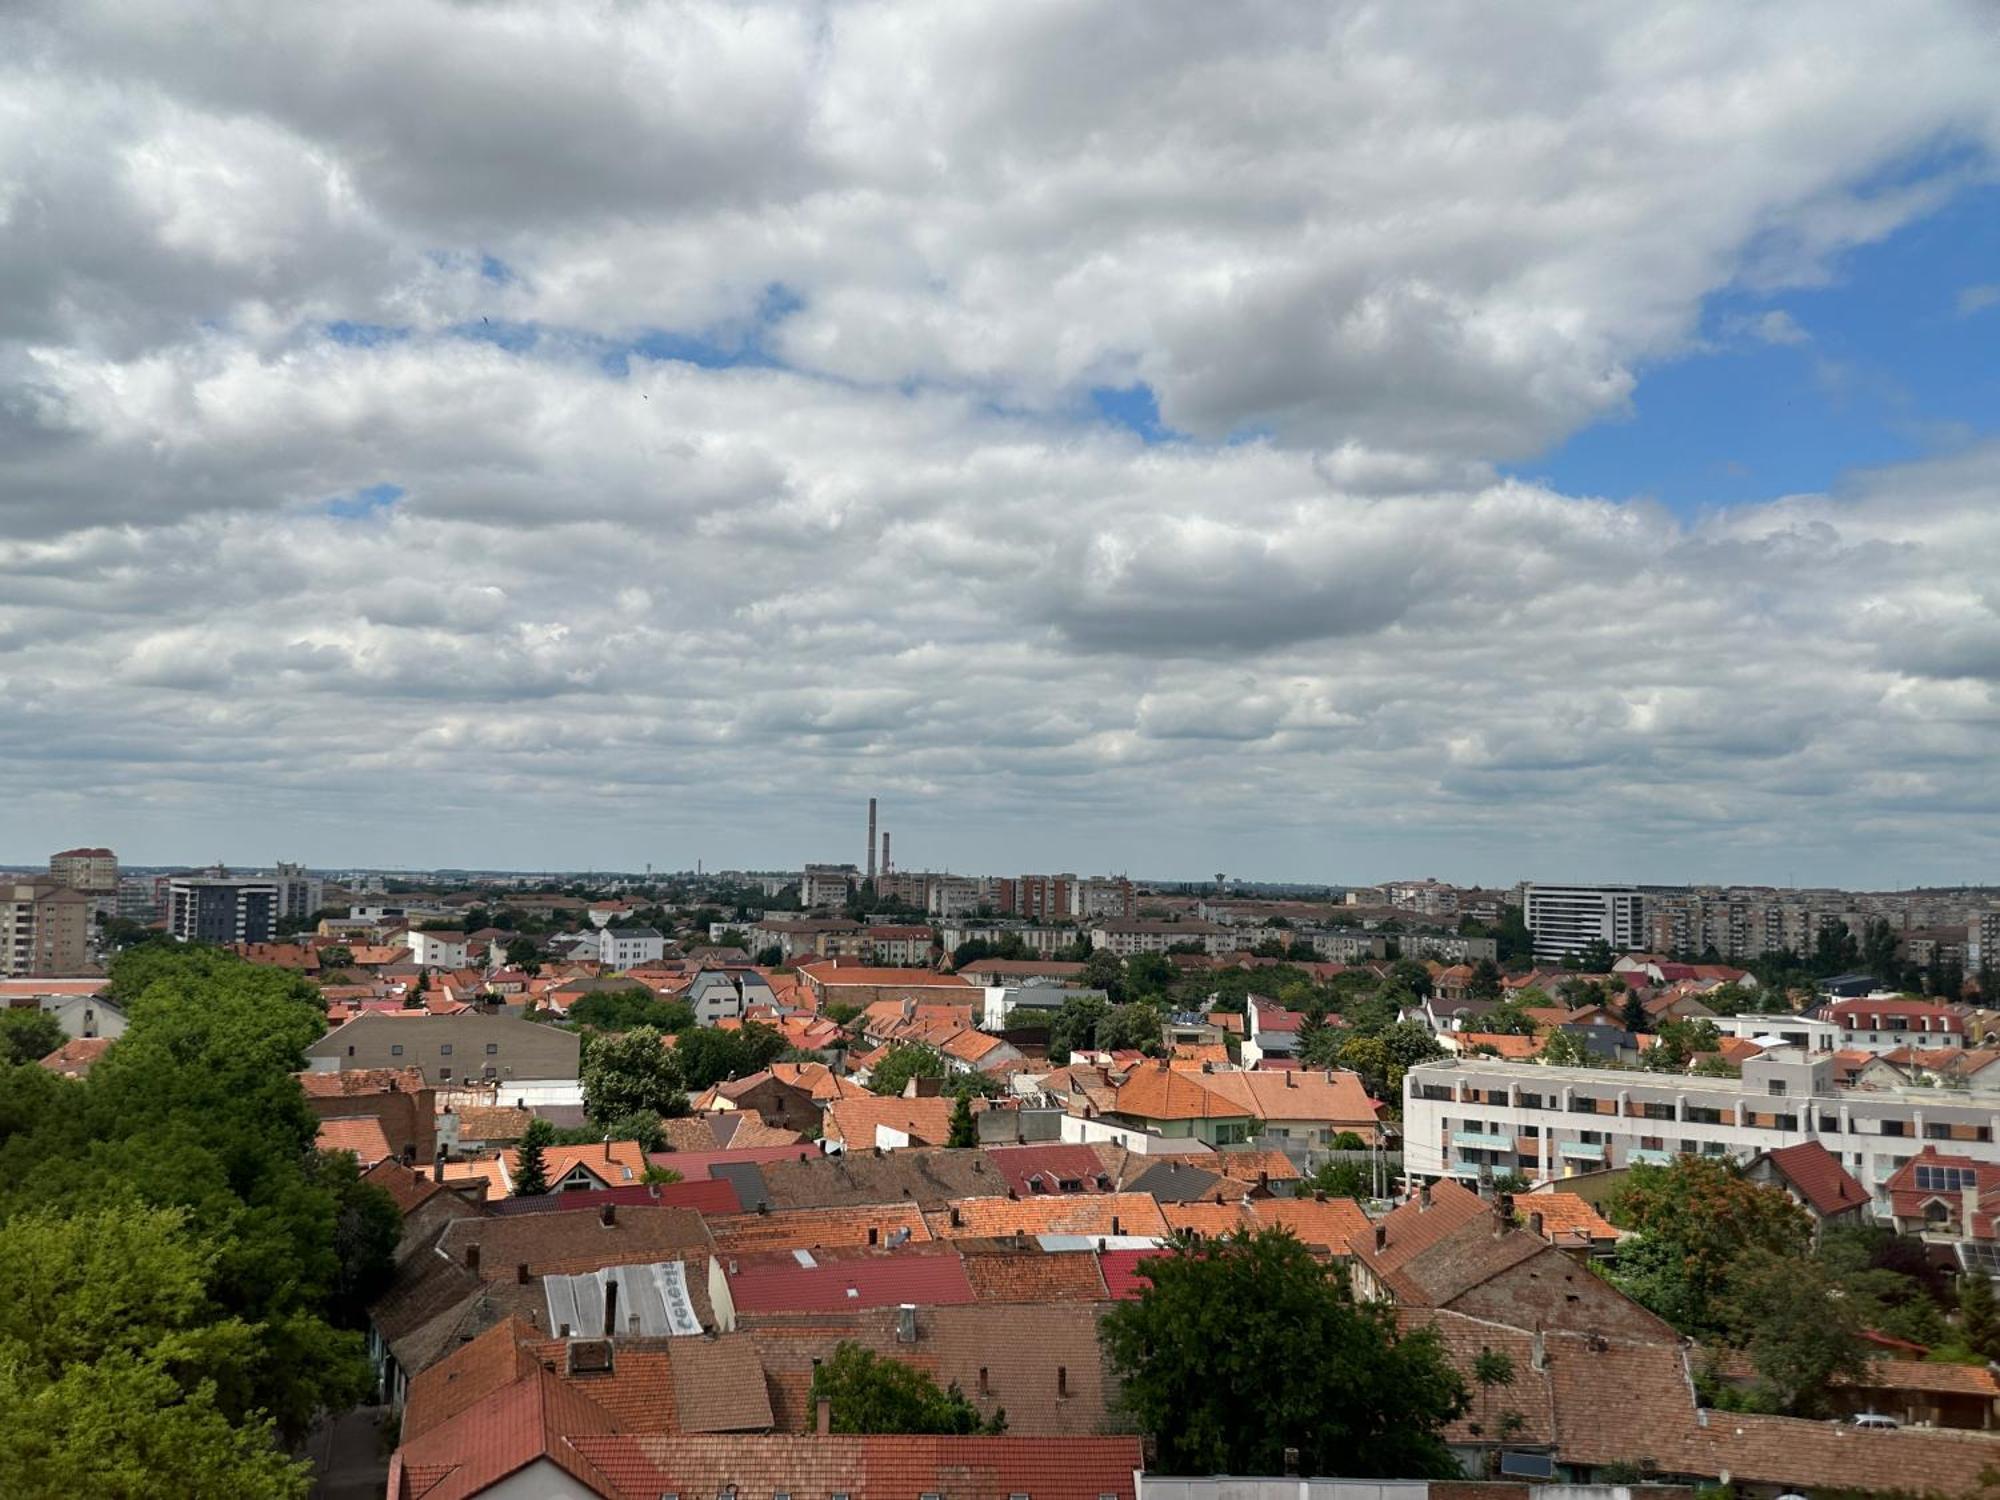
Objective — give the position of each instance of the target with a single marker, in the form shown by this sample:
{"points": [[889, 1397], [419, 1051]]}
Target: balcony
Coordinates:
{"points": [[1476, 1140], [1581, 1150]]}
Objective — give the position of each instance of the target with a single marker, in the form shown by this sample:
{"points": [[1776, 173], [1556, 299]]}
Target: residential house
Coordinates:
{"points": [[1884, 1023], [717, 994], [1815, 1180], [621, 948], [1270, 1031], [398, 1101], [436, 950], [831, 983]]}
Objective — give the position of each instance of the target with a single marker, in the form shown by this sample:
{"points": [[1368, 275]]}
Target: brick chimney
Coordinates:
{"points": [[608, 1215], [1381, 1237], [1423, 1197], [1535, 1225], [521, 1272], [822, 1416], [472, 1256]]}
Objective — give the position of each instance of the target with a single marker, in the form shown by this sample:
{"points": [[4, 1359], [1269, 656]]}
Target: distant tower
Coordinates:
{"points": [[885, 854], [871, 840]]}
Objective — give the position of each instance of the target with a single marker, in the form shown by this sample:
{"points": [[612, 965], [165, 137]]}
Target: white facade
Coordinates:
{"points": [[1566, 919], [437, 950], [1128, 938], [1793, 1031], [827, 885], [622, 950], [1478, 1114]]}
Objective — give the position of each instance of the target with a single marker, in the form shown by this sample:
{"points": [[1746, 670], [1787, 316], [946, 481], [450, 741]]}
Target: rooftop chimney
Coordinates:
{"points": [[608, 1215], [823, 1408], [1423, 1197], [1062, 1380], [607, 1145], [985, 1386], [437, 1166], [1116, 1227], [1538, 1352], [521, 1272], [1535, 1225], [1381, 1237], [472, 1256], [610, 1309]]}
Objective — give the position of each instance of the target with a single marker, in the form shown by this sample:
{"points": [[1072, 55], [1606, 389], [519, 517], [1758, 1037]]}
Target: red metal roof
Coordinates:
{"points": [[1121, 1272], [782, 1284]]}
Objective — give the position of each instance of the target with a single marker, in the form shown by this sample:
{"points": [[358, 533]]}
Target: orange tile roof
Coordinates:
{"points": [[1565, 1214], [815, 1228], [1059, 1276], [75, 1057], [1245, 1162], [927, 1121], [362, 1135], [1324, 1224], [1211, 1220], [832, 975], [1413, 1228], [1082, 1213], [1157, 1092]]}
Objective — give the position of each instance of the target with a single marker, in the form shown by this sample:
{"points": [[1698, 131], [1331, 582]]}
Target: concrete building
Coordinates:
{"points": [[1466, 1118], [92, 871], [1566, 919], [299, 895], [438, 950], [468, 1048], [827, 885], [222, 908], [44, 928], [720, 994], [1883, 1023], [622, 948], [1125, 938]]}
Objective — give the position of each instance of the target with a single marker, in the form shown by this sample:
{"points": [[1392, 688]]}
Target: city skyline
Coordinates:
{"points": [[1377, 468]]}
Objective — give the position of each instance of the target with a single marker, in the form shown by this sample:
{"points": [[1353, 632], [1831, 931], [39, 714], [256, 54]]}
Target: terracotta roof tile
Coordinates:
{"points": [[719, 1385], [1059, 1276], [1820, 1178], [816, 1228], [1079, 1213], [925, 1121], [361, 1135]]}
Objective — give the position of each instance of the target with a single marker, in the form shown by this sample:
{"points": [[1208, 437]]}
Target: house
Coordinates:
{"points": [[399, 1103], [1270, 1031], [899, 946], [791, 1096], [468, 1047], [831, 983], [1884, 1023], [620, 948], [716, 994], [436, 950], [1815, 1180], [997, 972], [75, 1057], [861, 1124], [1949, 1199]]}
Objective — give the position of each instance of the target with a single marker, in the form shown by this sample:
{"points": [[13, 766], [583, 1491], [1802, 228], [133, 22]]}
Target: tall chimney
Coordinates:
{"points": [[871, 840], [823, 1408], [472, 1257], [886, 868], [610, 1309]]}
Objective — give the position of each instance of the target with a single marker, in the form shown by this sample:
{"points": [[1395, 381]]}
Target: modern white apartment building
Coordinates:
{"points": [[1463, 1118], [1566, 919]]}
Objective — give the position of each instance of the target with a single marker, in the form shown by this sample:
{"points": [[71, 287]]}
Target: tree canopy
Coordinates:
{"points": [[868, 1392], [630, 1072], [1257, 1324], [179, 1270]]}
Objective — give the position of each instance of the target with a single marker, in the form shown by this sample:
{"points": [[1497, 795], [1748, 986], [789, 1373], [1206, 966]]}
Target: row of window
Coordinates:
{"points": [[1702, 1114]]}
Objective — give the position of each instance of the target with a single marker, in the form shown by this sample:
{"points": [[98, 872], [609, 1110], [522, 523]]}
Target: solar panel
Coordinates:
{"points": [[1945, 1179]]}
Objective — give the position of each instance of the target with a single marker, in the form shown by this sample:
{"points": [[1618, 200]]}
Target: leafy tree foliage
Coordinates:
{"points": [[710, 1056], [868, 1392], [630, 1072], [1800, 1337], [27, 1036], [1257, 1324], [180, 1257], [621, 1010], [964, 1132], [1105, 970], [901, 1063], [1698, 1215]]}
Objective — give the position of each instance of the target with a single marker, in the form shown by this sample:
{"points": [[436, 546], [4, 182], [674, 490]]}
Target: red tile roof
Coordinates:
{"points": [[707, 1195], [868, 1468], [886, 1279], [1039, 1170], [1820, 1178], [362, 1135]]}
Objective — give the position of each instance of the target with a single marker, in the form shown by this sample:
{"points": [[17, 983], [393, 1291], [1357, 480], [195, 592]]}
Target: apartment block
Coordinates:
{"points": [[44, 928], [1479, 1115], [1127, 938], [827, 885], [1564, 920], [223, 908]]}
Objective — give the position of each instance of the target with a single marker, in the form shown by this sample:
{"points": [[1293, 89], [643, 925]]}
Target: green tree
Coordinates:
{"points": [[1258, 1324], [1104, 970], [27, 1036], [1978, 1315], [1074, 1025], [108, 1335], [621, 1010], [1698, 1216], [335, 956], [524, 954], [901, 1063], [1564, 1050], [963, 1131], [642, 1126], [1802, 1338], [531, 1167], [1124, 1027], [630, 1072], [1485, 981], [868, 1392], [366, 1226], [710, 1056]]}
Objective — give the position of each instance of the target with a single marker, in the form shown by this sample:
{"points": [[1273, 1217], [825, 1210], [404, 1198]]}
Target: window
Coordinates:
{"points": [[395, 1049], [1778, 1087], [444, 1049], [444, 1075], [492, 1049], [1829, 1124], [489, 1071], [1945, 1179], [1892, 1127]]}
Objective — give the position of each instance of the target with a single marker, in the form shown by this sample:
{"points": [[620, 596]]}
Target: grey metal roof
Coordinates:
{"points": [[652, 1301]]}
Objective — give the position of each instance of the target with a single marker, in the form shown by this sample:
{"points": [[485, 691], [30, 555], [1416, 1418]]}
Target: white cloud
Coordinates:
{"points": [[1383, 253]]}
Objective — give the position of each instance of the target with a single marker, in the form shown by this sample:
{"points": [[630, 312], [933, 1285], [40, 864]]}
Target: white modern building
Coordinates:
{"points": [[1566, 919], [437, 950], [1479, 1115], [626, 948]]}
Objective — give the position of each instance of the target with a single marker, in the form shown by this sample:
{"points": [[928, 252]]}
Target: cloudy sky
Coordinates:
{"points": [[1306, 441]]}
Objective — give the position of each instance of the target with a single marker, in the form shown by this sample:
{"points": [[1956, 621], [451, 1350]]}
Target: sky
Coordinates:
{"points": [[1315, 441]]}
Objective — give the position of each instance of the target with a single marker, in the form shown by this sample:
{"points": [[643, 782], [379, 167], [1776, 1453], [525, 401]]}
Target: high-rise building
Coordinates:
{"points": [[223, 908], [1566, 919], [299, 895], [92, 871], [44, 928]]}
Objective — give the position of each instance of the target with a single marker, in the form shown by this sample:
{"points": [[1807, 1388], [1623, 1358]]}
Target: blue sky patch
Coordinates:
{"points": [[1134, 407], [363, 504], [1892, 360]]}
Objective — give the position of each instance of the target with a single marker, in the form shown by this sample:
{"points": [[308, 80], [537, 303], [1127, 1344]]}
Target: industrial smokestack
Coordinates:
{"points": [[885, 854], [871, 840]]}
